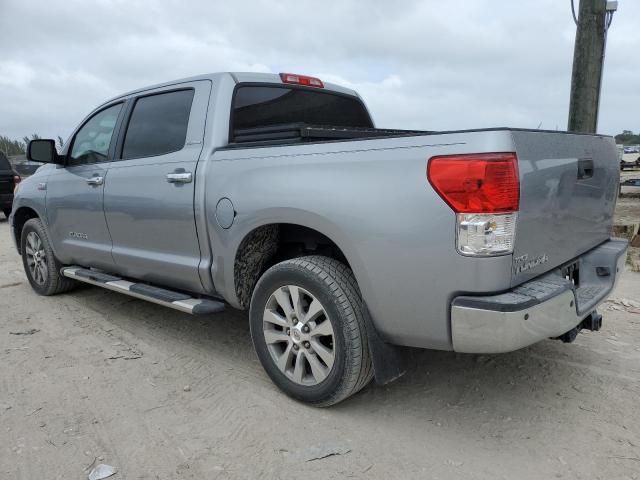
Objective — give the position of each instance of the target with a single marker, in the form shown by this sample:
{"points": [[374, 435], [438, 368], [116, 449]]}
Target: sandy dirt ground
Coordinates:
{"points": [[96, 377]]}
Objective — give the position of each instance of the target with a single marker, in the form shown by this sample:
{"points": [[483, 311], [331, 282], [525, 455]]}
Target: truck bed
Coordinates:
{"points": [[405, 231], [561, 215]]}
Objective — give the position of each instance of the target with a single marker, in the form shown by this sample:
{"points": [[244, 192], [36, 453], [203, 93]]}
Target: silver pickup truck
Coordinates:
{"points": [[346, 243]]}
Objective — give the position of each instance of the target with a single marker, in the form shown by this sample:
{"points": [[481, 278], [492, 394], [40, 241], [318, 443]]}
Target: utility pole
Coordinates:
{"points": [[588, 59]]}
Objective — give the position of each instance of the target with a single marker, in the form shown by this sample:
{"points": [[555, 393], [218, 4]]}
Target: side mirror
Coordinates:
{"points": [[43, 151]]}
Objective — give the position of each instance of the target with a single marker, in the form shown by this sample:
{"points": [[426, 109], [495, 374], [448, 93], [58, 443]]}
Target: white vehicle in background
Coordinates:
{"points": [[629, 160], [628, 156]]}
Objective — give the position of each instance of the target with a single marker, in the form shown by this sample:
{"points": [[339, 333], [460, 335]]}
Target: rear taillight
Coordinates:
{"points": [[16, 181], [484, 191], [301, 80], [482, 183]]}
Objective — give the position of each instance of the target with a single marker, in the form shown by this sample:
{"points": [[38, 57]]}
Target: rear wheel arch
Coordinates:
{"points": [[268, 244]]}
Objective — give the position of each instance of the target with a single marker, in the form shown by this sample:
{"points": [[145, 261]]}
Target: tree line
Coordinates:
{"points": [[627, 137]]}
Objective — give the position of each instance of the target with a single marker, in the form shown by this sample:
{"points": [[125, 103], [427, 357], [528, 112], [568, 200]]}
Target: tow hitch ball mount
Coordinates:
{"points": [[593, 322]]}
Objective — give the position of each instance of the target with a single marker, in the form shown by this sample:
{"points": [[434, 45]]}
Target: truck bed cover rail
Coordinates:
{"points": [[302, 132]]}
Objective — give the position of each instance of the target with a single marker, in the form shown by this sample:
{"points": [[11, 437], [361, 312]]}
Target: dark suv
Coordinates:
{"points": [[8, 180]]}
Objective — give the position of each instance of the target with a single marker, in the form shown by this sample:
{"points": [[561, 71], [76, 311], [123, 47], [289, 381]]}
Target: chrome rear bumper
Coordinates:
{"points": [[542, 308]]}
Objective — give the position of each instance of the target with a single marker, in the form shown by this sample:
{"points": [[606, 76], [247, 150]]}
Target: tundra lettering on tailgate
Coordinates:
{"points": [[522, 263]]}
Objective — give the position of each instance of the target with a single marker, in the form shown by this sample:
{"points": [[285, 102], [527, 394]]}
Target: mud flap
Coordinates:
{"points": [[389, 361]]}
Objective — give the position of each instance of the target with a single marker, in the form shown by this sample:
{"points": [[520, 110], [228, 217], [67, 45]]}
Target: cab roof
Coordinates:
{"points": [[238, 77]]}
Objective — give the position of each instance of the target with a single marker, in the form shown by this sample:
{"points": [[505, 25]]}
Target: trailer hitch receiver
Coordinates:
{"points": [[592, 322]]}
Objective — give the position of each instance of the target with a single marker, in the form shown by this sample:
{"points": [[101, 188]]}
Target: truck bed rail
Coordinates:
{"points": [[302, 132]]}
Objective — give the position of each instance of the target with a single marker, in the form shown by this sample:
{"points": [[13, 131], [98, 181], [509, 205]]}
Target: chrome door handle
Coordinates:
{"points": [[95, 180], [181, 177]]}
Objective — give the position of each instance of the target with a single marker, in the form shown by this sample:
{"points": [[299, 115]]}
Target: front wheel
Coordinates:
{"points": [[40, 265], [308, 329]]}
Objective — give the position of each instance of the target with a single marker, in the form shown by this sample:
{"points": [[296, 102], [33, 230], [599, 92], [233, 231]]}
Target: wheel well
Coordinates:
{"points": [[269, 244], [20, 217]]}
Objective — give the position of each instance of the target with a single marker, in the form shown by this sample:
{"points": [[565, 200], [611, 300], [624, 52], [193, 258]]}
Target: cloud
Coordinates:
{"points": [[418, 64]]}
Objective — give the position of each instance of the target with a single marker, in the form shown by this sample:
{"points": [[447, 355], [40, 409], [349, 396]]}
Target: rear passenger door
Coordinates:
{"points": [[149, 192]]}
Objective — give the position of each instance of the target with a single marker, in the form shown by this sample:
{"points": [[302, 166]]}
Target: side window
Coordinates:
{"points": [[91, 143], [158, 124]]}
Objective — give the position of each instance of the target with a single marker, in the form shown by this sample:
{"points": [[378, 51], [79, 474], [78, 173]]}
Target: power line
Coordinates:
{"points": [[608, 16]]}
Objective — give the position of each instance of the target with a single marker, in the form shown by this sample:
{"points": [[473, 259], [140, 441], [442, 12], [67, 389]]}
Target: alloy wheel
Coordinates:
{"points": [[36, 258], [299, 335]]}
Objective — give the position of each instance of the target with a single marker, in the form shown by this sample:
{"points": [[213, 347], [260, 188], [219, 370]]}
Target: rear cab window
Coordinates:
{"points": [[158, 124], [256, 106]]}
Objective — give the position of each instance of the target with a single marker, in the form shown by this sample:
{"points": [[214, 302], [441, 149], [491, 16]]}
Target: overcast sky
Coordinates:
{"points": [[434, 65]]}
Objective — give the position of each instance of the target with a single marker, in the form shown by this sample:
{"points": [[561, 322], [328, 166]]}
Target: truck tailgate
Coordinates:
{"points": [[568, 189]]}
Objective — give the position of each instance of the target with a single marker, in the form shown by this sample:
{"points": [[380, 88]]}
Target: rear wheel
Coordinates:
{"points": [[40, 265], [307, 326], [6, 211]]}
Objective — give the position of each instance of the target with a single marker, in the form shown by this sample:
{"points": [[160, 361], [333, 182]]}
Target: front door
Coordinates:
{"points": [[75, 193], [149, 192]]}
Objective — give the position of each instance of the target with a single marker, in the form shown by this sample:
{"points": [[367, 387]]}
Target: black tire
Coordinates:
{"points": [[334, 285], [54, 283], [7, 212]]}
